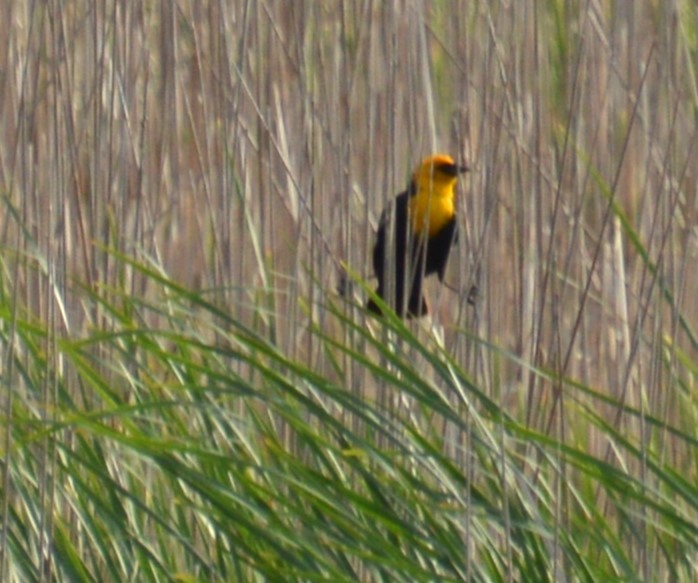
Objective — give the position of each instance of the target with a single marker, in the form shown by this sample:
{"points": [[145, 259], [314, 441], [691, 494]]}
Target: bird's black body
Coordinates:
{"points": [[402, 263]]}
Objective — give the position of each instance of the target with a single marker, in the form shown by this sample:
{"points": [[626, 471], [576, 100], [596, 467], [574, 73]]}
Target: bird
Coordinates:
{"points": [[415, 235]]}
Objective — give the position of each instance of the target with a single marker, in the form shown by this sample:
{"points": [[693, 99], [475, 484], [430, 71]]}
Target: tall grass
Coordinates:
{"points": [[186, 397]]}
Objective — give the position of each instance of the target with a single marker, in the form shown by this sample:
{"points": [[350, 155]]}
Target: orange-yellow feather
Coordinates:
{"points": [[433, 204]]}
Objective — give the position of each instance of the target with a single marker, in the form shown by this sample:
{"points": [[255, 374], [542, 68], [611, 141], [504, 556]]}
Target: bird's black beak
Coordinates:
{"points": [[454, 169]]}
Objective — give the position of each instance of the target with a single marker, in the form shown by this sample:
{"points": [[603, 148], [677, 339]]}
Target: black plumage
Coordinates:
{"points": [[402, 263]]}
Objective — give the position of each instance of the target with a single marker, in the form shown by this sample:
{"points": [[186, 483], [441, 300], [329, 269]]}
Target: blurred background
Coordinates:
{"points": [[249, 147], [245, 149]]}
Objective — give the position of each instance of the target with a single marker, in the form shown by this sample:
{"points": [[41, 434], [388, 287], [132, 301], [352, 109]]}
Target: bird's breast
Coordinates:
{"points": [[431, 213]]}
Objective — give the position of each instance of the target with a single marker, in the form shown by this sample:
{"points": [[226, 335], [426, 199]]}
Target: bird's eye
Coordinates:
{"points": [[451, 169], [448, 169]]}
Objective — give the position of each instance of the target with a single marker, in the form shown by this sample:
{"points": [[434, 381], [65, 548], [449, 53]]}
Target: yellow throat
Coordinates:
{"points": [[432, 205]]}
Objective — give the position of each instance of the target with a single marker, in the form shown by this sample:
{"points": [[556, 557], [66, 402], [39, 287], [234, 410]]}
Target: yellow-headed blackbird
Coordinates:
{"points": [[415, 235]]}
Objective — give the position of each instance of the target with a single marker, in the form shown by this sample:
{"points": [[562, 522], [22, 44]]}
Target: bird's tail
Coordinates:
{"points": [[372, 306], [416, 308]]}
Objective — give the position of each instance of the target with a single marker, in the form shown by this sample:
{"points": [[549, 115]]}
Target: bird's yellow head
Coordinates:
{"points": [[432, 191], [437, 175]]}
